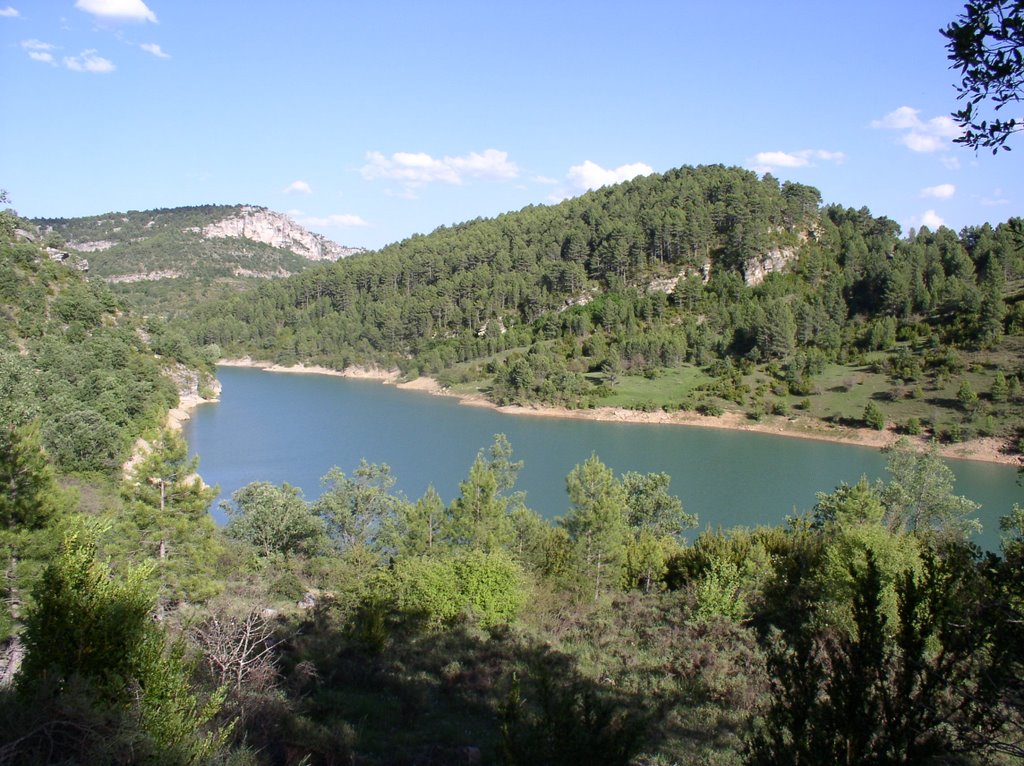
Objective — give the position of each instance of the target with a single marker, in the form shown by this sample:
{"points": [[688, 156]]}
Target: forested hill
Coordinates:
{"points": [[162, 259], [704, 287], [78, 374]]}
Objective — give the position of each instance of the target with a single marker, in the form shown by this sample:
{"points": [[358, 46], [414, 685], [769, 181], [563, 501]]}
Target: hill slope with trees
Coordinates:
{"points": [[373, 628], [163, 259], [703, 288]]}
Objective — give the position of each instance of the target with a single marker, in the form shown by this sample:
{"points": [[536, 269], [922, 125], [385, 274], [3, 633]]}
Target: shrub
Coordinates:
{"points": [[874, 417], [489, 586], [912, 427]]}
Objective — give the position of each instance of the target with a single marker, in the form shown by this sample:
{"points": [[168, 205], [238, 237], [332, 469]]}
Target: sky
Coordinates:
{"points": [[369, 122]]}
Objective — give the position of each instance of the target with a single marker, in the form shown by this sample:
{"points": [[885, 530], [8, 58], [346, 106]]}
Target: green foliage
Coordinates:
{"points": [[985, 44], [919, 496], [874, 417], [487, 586], [274, 520], [87, 626], [28, 490], [480, 516], [167, 520], [597, 523], [83, 440], [891, 690], [652, 508], [967, 397], [77, 353], [565, 719], [356, 510], [417, 528], [719, 592]]}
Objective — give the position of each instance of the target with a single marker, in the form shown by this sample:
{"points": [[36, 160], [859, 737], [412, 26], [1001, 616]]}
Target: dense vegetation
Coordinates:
{"points": [[702, 288], [372, 628]]}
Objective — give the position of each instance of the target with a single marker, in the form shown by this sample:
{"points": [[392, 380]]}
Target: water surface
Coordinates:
{"points": [[294, 428]]}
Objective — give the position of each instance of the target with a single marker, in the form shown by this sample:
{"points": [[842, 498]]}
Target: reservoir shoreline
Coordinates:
{"points": [[989, 450]]}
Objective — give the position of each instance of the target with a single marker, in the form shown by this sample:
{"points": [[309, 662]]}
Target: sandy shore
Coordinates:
{"points": [[988, 450], [175, 418]]}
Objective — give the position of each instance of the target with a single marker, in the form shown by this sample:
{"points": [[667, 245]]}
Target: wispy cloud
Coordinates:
{"points": [[9, 12], [117, 10], [39, 51], [155, 49], [300, 187], [764, 162], [416, 169], [88, 61], [996, 199], [942, 191], [919, 135]]}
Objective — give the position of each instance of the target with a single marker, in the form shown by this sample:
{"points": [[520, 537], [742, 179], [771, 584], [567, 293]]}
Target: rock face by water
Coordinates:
{"points": [[277, 230]]}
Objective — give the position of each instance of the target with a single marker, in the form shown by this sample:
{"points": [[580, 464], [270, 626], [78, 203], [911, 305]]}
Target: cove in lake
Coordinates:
{"points": [[294, 428]]}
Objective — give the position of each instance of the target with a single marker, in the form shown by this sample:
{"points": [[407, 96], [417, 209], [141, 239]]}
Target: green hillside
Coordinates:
{"points": [[782, 305], [369, 627], [160, 260]]}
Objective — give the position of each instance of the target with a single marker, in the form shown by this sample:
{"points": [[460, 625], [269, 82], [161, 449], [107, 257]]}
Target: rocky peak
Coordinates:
{"points": [[277, 230]]}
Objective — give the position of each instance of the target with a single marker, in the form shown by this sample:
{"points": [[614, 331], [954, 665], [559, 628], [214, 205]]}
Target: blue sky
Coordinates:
{"points": [[373, 121]]}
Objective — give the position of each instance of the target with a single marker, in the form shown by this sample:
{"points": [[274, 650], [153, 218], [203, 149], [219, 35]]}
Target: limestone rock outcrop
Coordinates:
{"points": [[277, 230]]}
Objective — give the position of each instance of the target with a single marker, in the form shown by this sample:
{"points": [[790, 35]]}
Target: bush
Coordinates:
{"points": [[489, 586], [912, 427], [708, 409], [874, 417]]}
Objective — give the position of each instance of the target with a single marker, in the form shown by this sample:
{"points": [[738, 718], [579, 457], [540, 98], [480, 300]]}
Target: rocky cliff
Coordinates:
{"points": [[277, 230]]}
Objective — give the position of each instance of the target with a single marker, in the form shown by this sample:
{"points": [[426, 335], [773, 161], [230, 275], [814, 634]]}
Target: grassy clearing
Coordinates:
{"points": [[666, 389]]}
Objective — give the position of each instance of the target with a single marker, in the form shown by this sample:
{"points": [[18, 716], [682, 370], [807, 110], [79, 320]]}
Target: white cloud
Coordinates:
{"points": [[415, 169], [901, 119], [764, 162], [336, 221], [298, 186], [39, 51], [918, 135], [118, 10], [155, 49], [929, 218], [9, 12], [492, 164], [942, 191], [88, 61], [590, 175]]}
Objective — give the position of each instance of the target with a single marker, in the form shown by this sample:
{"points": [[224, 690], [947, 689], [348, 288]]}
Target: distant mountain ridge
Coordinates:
{"points": [[209, 247]]}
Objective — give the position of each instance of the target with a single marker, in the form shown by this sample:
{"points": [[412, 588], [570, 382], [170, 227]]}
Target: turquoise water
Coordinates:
{"points": [[293, 428]]}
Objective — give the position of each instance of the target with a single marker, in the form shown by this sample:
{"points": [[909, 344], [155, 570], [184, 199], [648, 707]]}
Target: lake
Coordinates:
{"points": [[293, 428]]}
